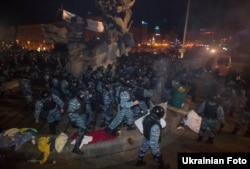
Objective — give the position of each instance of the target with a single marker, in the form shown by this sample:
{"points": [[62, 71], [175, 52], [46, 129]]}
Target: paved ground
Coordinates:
{"points": [[184, 140]]}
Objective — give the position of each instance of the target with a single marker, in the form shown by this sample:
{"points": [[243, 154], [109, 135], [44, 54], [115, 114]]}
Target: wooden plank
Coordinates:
{"points": [[181, 111]]}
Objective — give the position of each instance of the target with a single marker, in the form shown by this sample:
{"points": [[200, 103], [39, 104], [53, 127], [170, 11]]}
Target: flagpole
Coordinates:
{"points": [[58, 14], [185, 31]]}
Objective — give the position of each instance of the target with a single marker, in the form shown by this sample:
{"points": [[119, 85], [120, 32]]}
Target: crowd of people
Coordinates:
{"points": [[121, 92]]}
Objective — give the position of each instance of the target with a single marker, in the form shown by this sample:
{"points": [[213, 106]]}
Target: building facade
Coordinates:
{"points": [[31, 37]]}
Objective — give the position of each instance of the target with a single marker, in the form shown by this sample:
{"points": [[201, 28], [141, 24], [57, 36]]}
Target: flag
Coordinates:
{"points": [[68, 16], [93, 25]]}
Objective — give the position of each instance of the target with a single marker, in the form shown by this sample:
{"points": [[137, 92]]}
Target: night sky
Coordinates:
{"points": [[168, 14]]}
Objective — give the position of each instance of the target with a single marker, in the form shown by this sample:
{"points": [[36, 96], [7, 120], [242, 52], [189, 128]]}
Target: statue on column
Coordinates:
{"points": [[115, 40], [117, 16]]}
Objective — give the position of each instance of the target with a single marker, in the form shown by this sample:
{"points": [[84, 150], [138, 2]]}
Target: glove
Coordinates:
{"points": [[222, 125]]}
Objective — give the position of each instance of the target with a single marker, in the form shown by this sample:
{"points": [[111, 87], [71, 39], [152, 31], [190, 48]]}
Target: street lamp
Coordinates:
{"points": [[182, 51]]}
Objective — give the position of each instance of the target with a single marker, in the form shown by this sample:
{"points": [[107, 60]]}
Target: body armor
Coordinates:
{"points": [[49, 104], [210, 111], [148, 122]]}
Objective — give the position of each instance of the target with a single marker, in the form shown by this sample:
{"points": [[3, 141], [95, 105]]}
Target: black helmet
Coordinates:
{"points": [[75, 81], [45, 94], [214, 97], [80, 94], [107, 85], [55, 82], [46, 77], [158, 111], [127, 83], [144, 84]]}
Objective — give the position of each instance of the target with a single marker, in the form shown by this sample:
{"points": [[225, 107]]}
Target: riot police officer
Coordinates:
{"points": [[211, 113], [65, 86], [106, 104], [77, 116], [244, 118], [55, 87], [152, 137], [143, 94], [124, 109], [49, 107], [88, 98], [47, 80]]}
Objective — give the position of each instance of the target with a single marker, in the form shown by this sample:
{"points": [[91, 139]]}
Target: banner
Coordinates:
{"points": [[68, 16], [92, 25]]}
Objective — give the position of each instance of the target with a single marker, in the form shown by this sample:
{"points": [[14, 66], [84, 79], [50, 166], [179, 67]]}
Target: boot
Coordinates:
{"points": [[140, 163], [52, 127], [130, 127], [124, 124], [108, 131], [199, 139], [210, 140], [90, 125], [77, 145], [160, 163]]}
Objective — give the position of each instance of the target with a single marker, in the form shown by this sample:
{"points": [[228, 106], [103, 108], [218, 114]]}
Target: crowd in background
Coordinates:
{"points": [[147, 75]]}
